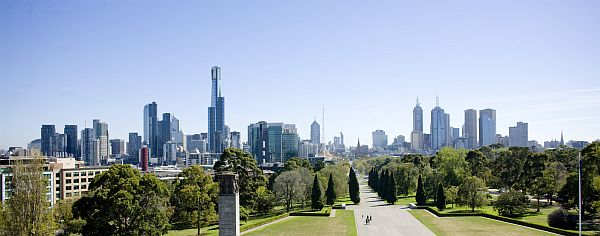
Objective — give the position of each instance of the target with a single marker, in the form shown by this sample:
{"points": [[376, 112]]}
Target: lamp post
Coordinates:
{"points": [[579, 192]]}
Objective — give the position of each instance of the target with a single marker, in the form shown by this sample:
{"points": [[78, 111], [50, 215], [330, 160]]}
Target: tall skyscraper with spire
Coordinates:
{"points": [[562, 140], [416, 136], [216, 113]]}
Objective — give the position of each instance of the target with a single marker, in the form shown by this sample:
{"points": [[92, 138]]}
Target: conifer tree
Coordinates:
{"points": [[391, 195], [317, 194], [420, 192], [353, 187], [330, 193], [441, 198]]}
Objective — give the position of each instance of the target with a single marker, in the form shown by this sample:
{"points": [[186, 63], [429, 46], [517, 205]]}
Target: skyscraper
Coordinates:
{"points": [[439, 127], [416, 136], [101, 134], [289, 142], [216, 113], [168, 131], [71, 133], [487, 127], [380, 139], [90, 147], [47, 136], [134, 144], [315, 133], [470, 128], [236, 140], [151, 128], [275, 131], [518, 135], [117, 147], [258, 142]]}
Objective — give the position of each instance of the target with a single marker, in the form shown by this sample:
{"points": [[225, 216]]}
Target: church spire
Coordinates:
{"points": [[562, 140]]}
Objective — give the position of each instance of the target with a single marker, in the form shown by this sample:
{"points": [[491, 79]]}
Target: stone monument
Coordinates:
{"points": [[229, 204]]}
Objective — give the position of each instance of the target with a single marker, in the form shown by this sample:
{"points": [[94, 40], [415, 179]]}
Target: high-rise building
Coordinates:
{"points": [[134, 144], [455, 135], [47, 136], [380, 139], [216, 114], [487, 127], [151, 128], [196, 142], [90, 147], [258, 142], [439, 127], [518, 135], [315, 133], [470, 128], [289, 142], [71, 133], [59, 145], [101, 134], [275, 131], [236, 140], [416, 136], [117, 147], [168, 130]]}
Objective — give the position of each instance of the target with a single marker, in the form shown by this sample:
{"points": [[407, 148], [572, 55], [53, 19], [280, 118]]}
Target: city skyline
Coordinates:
{"points": [[551, 86]]}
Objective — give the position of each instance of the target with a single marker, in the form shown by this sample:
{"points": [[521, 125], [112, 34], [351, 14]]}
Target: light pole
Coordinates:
{"points": [[579, 192]]}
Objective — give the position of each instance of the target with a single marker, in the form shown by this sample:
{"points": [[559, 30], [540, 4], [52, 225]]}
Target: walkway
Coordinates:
{"points": [[388, 220]]}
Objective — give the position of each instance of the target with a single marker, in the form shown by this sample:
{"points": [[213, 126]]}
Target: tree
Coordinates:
{"points": [[194, 198], [295, 163], [478, 164], [330, 193], [555, 176], [353, 187], [319, 165], [122, 201], [472, 192], [317, 194], [391, 193], [420, 192], [63, 216], [288, 187], [306, 182], [250, 177], [441, 198], [28, 210], [265, 200], [451, 194], [452, 166], [590, 158], [539, 188], [512, 203]]}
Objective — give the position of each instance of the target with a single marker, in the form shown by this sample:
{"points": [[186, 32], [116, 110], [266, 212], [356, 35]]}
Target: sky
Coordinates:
{"points": [[68, 62]]}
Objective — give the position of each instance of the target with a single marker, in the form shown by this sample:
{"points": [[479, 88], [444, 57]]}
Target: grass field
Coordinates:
{"points": [[470, 225], [342, 224], [214, 230]]}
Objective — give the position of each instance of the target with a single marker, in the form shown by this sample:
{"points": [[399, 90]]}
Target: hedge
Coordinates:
{"points": [[326, 211], [504, 219]]}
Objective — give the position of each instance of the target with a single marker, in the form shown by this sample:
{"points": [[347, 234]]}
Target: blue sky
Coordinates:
{"points": [[68, 62]]}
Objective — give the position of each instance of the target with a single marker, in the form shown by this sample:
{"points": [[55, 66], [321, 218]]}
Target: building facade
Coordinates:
{"points": [[470, 128], [216, 114], [487, 127], [518, 135]]}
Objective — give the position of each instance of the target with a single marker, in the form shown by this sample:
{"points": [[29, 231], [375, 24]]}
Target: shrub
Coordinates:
{"points": [[511, 204], [560, 218]]}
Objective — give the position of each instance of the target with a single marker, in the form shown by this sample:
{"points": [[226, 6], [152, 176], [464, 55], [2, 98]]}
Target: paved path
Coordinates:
{"points": [[388, 220]]}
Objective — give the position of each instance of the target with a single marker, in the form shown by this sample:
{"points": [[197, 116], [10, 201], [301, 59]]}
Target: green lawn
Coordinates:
{"points": [[342, 224], [214, 230], [405, 200], [470, 225]]}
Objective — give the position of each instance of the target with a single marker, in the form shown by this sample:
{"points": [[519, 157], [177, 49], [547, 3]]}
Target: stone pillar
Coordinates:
{"points": [[229, 204]]}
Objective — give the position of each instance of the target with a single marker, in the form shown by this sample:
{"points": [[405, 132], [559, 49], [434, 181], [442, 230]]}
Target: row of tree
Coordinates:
{"points": [[461, 176], [124, 201]]}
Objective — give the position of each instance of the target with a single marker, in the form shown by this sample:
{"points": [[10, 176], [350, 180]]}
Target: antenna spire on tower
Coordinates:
{"points": [[437, 101], [417, 100]]}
